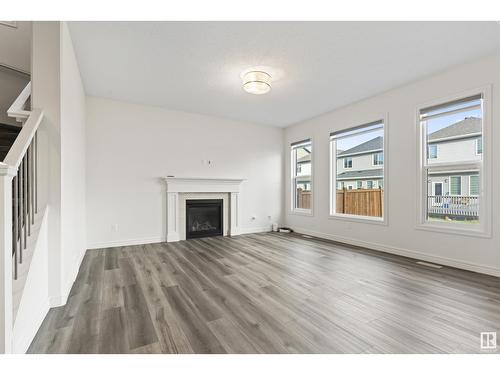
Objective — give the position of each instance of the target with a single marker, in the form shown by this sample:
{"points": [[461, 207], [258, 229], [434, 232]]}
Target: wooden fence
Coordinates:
{"points": [[364, 202], [303, 198]]}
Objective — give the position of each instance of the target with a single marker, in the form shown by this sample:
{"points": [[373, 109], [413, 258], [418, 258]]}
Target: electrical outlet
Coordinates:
{"points": [[114, 227]]}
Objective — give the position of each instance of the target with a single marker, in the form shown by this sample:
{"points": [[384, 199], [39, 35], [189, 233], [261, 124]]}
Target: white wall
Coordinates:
{"points": [[400, 235], [58, 90], [11, 85], [131, 147], [15, 45], [73, 113]]}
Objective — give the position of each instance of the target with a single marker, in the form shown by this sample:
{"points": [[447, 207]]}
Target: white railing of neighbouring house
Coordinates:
{"points": [[18, 205], [463, 206]]}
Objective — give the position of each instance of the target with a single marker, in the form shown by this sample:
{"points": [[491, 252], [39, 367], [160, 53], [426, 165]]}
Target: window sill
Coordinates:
{"points": [[301, 212], [359, 219], [456, 229]]}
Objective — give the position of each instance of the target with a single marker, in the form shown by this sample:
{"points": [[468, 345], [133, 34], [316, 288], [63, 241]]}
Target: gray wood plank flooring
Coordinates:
{"points": [[268, 293]]}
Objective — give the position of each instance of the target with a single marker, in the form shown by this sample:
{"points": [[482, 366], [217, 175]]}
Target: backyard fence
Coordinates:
{"points": [[303, 198], [364, 202]]}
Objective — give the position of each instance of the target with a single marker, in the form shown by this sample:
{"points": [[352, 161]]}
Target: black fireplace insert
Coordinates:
{"points": [[204, 218]]}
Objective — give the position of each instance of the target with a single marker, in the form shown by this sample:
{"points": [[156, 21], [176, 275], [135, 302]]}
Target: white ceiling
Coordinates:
{"points": [[196, 66]]}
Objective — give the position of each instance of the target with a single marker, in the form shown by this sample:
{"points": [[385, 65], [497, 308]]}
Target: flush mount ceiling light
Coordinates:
{"points": [[256, 82]]}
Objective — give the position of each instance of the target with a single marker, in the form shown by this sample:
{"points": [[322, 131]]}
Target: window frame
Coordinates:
{"points": [[459, 185], [362, 121], [347, 158], [429, 152], [479, 141], [293, 177], [470, 184], [483, 229], [374, 156]]}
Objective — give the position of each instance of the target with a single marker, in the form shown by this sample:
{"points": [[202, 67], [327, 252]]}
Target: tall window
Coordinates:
{"points": [[452, 177], [363, 146], [301, 175]]}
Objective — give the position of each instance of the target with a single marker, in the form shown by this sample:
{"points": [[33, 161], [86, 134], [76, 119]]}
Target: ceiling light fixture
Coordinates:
{"points": [[257, 82]]}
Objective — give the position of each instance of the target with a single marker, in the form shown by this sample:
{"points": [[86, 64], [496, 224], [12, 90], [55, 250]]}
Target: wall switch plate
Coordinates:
{"points": [[114, 227]]}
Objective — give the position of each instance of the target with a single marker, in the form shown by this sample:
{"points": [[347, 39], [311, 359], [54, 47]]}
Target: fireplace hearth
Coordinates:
{"points": [[204, 218]]}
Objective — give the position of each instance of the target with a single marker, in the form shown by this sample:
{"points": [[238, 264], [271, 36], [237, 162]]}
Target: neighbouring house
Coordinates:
{"points": [[455, 193], [361, 167]]}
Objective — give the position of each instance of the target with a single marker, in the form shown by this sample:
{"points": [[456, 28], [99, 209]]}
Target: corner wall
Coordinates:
{"points": [[58, 90], [400, 236], [130, 148]]}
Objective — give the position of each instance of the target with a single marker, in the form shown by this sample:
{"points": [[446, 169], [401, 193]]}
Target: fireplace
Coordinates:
{"points": [[204, 218]]}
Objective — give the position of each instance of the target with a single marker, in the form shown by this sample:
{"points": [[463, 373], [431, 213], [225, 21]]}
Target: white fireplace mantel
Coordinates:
{"points": [[180, 185]]}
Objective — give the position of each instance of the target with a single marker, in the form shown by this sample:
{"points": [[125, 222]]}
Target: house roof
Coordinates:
{"points": [[371, 145], [365, 173], [469, 125], [304, 159]]}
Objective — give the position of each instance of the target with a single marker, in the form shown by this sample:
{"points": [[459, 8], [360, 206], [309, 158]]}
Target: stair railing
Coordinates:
{"points": [[18, 205]]}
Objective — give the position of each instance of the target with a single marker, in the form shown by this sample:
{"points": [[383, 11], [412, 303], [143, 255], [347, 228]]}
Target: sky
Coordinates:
{"points": [[432, 126]]}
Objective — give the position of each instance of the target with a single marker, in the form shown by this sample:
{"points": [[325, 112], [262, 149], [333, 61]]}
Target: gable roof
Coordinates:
{"points": [[371, 145], [365, 173], [469, 125]]}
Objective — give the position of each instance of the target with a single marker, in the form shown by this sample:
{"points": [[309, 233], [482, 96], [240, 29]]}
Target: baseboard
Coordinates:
{"points": [[255, 230], [148, 240], [479, 268], [129, 242]]}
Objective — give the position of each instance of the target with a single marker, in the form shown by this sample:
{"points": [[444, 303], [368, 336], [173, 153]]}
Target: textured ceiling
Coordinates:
{"points": [[317, 66]]}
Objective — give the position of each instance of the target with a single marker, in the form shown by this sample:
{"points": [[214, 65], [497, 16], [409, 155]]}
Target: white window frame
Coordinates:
{"points": [[483, 229], [346, 159], [473, 195], [293, 209], [429, 153], [359, 184], [373, 159], [478, 141], [384, 118], [449, 179]]}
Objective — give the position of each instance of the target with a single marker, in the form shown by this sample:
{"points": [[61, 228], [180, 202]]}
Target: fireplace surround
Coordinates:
{"points": [[182, 189]]}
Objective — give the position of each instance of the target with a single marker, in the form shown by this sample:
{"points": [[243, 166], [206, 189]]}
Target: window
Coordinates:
{"points": [[357, 149], [474, 185], [432, 151], [347, 162], [378, 158], [457, 129], [455, 185], [479, 146], [301, 158]]}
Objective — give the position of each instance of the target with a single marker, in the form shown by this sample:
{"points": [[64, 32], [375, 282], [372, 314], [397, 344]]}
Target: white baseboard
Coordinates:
{"points": [[148, 240], [255, 230], [488, 270], [129, 242]]}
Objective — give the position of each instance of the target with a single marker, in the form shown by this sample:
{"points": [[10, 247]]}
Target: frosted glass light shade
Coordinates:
{"points": [[257, 82]]}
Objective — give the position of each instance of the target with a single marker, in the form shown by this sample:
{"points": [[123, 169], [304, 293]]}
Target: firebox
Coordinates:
{"points": [[204, 218]]}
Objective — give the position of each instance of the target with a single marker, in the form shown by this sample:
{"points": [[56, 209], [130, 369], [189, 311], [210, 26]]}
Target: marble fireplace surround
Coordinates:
{"points": [[181, 188]]}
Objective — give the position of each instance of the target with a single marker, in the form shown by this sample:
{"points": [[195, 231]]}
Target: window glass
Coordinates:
{"points": [[302, 174], [452, 167], [357, 156]]}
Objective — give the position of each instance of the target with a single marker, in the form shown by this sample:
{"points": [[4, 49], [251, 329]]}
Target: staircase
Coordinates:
{"points": [[19, 224], [8, 134]]}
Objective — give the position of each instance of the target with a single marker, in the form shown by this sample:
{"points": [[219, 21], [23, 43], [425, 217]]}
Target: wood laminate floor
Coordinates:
{"points": [[268, 293]]}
